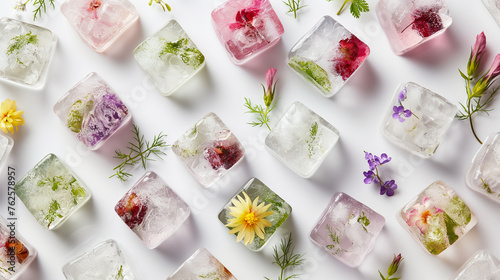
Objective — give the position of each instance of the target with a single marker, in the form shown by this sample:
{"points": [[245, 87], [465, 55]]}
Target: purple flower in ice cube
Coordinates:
{"points": [[388, 188], [371, 177], [402, 95], [400, 112]]}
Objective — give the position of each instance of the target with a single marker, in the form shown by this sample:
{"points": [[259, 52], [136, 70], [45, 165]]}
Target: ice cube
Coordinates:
{"points": [[152, 210], [105, 261], [6, 144], [418, 119], [328, 55], [482, 266], [281, 210], [483, 174], [100, 22], [302, 139], [494, 7], [52, 192], [92, 110], [169, 58], [15, 253], [409, 23], [437, 218], [25, 52], [208, 149], [347, 229], [246, 28], [202, 265]]}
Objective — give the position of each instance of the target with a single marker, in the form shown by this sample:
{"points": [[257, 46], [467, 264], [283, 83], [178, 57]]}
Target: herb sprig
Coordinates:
{"points": [[357, 7], [294, 6], [40, 6], [53, 214], [139, 151], [287, 258]]}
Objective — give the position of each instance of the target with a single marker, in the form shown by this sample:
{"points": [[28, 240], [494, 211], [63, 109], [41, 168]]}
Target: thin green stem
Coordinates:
{"points": [[341, 8], [470, 121]]}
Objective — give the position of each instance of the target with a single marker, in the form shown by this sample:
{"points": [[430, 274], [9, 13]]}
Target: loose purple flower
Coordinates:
{"points": [[384, 158], [370, 177], [402, 95], [373, 162], [388, 188]]}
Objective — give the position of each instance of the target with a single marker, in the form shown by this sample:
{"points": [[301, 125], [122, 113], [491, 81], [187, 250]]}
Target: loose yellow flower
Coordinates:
{"points": [[9, 117], [248, 218]]}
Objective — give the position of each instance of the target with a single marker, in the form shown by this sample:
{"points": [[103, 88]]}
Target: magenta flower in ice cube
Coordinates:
{"points": [[421, 214]]}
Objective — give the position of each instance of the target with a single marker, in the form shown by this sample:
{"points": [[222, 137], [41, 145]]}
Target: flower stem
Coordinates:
{"points": [[294, 9], [341, 8], [471, 123], [265, 118]]}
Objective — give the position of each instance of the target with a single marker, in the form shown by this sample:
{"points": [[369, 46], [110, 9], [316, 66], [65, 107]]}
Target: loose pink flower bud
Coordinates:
{"points": [[269, 93], [476, 54], [494, 69]]}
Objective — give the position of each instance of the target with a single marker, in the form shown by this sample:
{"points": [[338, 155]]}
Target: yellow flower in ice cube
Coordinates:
{"points": [[9, 117]]}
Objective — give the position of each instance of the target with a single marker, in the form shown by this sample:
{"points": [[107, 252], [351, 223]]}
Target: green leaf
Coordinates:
{"points": [[287, 258], [312, 71], [381, 275], [53, 214], [293, 6], [358, 7], [463, 75]]}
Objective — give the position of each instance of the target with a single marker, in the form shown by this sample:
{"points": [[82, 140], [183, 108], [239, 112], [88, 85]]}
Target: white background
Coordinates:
{"points": [[357, 111]]}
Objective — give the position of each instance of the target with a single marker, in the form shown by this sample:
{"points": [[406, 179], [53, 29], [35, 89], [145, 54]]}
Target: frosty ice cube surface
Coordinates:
{"points": [[347, 229], [25, 52], [6, 144], [255, 192], [436, 218], [409, 23], [483, 174], [494, 7], [202, 265], [15, 253], [327, 56], [152, 210], [92, 110], [100, 22], [169, 58], [52, 192], [302, 139], [208, 149], [105, 261], [246, 28], [418, 119], [483, 265]]}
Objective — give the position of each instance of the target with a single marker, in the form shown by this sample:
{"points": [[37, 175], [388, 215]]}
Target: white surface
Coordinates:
{"points": [[356, 111]]}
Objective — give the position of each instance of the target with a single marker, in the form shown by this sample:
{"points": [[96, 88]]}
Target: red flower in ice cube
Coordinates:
{"points": [[246, 16], [20, 251], [352, 54], [421, 214], [92, 8], [221, 154], [426, 21], [132, 210]]}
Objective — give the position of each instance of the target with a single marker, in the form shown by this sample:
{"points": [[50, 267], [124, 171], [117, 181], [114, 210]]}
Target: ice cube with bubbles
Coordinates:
{"points": [[246, 28], [255, 193], [25, 52], [104, 261], [494, 7], [169, 58], [6, 144], [92, 111], [100, 22], [409, 23], [152, 210], [483, 174], [436, 218], [302, 139], [482, 266], [418, 119], [52, 192], [327, 56], [347, 229], [202, 265], [208, 149], [15, 253]]}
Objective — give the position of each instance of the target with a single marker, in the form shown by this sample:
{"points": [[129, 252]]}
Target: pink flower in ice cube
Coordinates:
{"points": [[421, 214], [92, 8], [245, 16]]}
